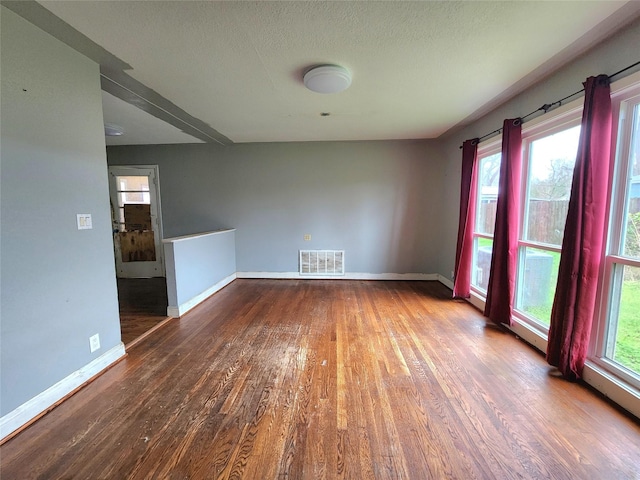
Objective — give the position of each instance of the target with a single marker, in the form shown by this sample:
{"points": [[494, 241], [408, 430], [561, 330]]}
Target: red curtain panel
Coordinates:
{"points": [[464, 249], [575, 299], [502, 276]]}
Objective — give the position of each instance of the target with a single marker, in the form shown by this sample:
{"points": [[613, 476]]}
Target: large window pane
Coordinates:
{"points": [[547, 180], [623, 340], [488, 177], [551, 162], [482, 262], [537, 277]]}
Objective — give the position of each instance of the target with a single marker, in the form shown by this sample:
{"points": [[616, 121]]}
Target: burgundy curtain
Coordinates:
{"points": [[464, 250], [575, 300], [502, 276]]}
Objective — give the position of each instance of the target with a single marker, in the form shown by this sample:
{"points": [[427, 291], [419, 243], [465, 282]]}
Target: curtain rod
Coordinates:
{"points": [[550, 106]]}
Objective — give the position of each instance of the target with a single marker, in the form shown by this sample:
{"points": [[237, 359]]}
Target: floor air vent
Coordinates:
{"points": [[322, 262]]}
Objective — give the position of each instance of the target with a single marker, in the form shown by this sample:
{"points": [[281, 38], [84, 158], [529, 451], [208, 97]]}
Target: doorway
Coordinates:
{"points": [[143, 307], [138, 252], [137, 232]]}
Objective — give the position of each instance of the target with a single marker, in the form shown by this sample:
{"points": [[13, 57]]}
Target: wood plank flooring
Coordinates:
{"points": [[143, 305], [285, 379]]}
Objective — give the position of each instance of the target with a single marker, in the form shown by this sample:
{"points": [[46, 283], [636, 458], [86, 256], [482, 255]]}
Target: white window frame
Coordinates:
{"points": [[597, 371], [567, 118], [625, 95], [484, 150]]}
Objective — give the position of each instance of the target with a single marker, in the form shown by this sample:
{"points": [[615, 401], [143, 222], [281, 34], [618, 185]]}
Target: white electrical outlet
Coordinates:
{"points": [[307, 237], [94, 342]]}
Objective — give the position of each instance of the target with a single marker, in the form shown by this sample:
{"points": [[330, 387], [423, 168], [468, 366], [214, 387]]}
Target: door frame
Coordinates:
{"points": [[135, 170]]}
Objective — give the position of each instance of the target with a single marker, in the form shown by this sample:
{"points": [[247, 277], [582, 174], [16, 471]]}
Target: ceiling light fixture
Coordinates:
{"points": [[113, 130], [327, 79]]}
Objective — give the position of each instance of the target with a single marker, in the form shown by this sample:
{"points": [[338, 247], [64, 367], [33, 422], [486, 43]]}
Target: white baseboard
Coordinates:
{"points": [[610, 386], [176, 311], [445, 281], [476, 301], [529, 334], [41, 402], [179, 310], [346, 276]]}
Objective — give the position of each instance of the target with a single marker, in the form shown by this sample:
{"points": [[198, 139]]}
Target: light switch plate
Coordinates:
{"points": [[84, 221]]}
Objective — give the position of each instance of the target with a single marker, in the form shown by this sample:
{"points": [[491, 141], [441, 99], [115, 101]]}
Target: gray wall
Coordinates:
{"points": [[379, 201], [57, 283], [612, 55]]}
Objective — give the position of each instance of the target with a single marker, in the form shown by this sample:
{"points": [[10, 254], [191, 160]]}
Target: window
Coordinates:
{"points": [[549, 156], [549, 149], [131, 190], [618, 337], [486, 199], [548, 160]]}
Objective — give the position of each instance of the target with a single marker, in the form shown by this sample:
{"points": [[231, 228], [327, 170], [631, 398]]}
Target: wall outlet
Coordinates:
{"points": [[94, 342], [307, 237]]}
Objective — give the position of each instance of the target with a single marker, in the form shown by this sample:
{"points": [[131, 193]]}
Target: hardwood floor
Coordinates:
{"points": [[143, 305], [285, 379]]}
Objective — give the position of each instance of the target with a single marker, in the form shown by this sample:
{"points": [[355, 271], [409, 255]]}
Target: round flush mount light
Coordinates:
{"points": [[113, 130], [327, 79]]}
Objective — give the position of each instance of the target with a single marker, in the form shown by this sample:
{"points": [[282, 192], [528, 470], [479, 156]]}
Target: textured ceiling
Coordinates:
{"points": [[139, 127], [419, 68]]}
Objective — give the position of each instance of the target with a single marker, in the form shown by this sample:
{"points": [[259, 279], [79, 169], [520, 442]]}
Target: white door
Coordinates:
{"points": [[135, 211]]}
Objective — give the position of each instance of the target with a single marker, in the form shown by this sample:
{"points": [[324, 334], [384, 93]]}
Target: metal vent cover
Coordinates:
{"points": [[322, 262]]}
